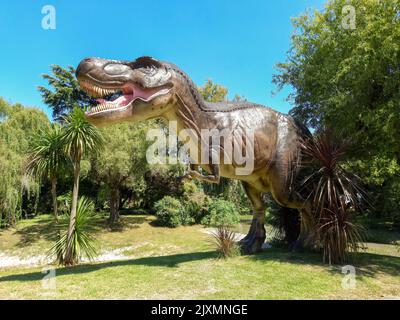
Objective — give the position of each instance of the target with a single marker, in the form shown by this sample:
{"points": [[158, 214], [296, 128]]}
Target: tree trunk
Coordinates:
{"points": [[69, 258], [114, 205], [54, 196]]}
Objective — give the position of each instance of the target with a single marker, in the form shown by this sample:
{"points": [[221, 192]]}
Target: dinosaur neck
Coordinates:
{"points": [[190, 106]]}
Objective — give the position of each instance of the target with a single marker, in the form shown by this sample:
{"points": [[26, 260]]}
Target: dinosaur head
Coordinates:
{"points": [[135, 91]]}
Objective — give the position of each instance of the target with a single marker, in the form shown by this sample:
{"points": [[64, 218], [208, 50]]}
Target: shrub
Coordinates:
{"points": [[195, 200], [64, 203], [232, 191], [171, 213], [161, 181], [225, 242], [221, 213], [336, 193]]}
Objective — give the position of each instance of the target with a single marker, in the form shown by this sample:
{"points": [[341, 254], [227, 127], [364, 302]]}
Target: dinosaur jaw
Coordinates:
{"points": [[122, 96]]}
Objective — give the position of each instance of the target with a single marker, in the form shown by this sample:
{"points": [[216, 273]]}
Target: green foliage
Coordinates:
{"points": [[121, 164], [161, 181], [17, 124], [195, 201], [349, 79], [124, 152], [81, 138], [171, 213], [46, 157], [83, 243], [382, 178], [221, 213], [348, 76], [335, 194], [64, 203], [65, 91], [213, 92]]}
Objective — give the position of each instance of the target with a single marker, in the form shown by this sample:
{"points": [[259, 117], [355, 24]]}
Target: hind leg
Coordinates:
{"points": [[255, 238], [290, 222], [285, 198]]}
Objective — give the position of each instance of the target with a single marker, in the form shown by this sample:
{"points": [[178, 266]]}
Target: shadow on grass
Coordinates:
{"points": [[171, 261], [368, 264], [47, 229], [42, 229], [382, 236], [125, 223]]}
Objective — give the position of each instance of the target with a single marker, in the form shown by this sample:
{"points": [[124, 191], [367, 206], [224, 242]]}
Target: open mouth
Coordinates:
{"points": [[119, 98]]}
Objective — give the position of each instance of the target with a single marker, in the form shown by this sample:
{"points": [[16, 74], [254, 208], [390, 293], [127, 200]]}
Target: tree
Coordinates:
{"points": [[83, 243], [47, 158], [17, 125], [80, 139], [122, 162], [65, 92], [348, 78], [213, 92]]}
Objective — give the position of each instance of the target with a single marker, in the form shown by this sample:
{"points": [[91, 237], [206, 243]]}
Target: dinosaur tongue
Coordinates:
{"points": [[119, 102], [130, 92]]}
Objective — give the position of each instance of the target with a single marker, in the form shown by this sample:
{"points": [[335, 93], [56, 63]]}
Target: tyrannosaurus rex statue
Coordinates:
{"points": [[154, 89]]}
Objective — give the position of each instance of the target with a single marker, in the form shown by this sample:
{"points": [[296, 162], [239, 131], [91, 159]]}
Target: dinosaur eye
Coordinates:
{"points": [[115, 68], [148, 69]]}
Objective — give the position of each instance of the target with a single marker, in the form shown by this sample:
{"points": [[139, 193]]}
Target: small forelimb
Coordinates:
{"points": [[214, 177]]}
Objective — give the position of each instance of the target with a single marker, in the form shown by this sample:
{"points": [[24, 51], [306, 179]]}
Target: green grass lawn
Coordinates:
{"points": [[163, 263]]}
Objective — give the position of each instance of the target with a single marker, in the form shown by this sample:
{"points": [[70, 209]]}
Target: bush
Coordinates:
{"points": [[335, 195], [196, 202], [83, 244], [225, 243], [171, 213], [161, 181], [232, 191], [221, 213]]}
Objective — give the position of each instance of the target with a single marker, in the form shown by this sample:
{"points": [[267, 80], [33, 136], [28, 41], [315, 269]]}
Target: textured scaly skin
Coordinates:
{"points": [[277, 138]]}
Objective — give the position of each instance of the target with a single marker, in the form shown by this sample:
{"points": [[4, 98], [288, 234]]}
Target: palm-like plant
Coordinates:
{"points": [[47, 159], [80, 139], [225, 242], [82, 240], [334, 193]]}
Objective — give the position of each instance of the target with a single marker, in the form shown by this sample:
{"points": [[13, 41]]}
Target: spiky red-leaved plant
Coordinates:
{"points": [[334, 193]]}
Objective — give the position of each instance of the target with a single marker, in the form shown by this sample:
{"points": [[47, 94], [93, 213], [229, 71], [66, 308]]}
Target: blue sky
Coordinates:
{"points": [[235, 43]]}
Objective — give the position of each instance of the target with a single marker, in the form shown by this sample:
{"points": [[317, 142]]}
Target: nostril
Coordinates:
{"points": [[84, 66]]}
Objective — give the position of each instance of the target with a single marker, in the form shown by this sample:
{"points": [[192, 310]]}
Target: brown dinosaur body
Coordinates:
{"points": [[153, 89]]}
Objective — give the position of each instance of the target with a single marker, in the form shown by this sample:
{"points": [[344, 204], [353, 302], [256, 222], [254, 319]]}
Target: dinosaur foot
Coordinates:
{"points": [[303, 243], [251, 243], [297, 246]]}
